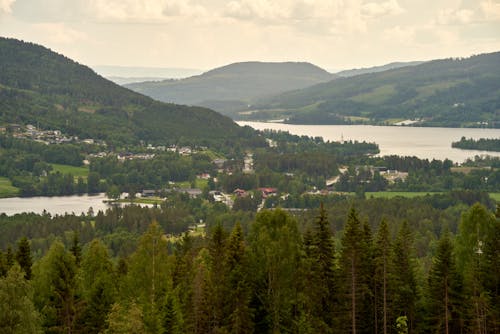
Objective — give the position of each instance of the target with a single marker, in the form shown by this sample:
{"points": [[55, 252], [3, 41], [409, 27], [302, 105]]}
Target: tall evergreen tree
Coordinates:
{"points": [[76, 249], [99, 287], [383, 271], [490, 275], [23, 256], [217, 290], [475, 227], [444, 290], [320, 289], [240, 319], [404, 282], [351, 260], [274, 252]]}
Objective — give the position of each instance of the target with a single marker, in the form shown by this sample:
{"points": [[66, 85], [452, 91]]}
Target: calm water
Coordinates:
{"points": [[425, 143], [54, 205]]}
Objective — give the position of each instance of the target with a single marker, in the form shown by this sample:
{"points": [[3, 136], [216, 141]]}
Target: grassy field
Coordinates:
{"points": [[7, 189], [495, 196], [66, 169], [392, 194]]}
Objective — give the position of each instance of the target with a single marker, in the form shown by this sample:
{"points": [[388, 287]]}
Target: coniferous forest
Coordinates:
{"points": [[412, 266]]}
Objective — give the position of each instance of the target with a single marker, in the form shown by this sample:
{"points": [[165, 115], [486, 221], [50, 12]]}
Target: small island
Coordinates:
{"points": [[482, 144]]}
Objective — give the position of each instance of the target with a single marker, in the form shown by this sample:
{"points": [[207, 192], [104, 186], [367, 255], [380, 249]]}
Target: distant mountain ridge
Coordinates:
{"points": [[462, 92], [375, 69], [39, 86], [235, 86]]}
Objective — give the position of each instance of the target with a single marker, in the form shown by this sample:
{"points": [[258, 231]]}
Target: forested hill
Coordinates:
{"points": [[448, 92], [234, 86], [375, 69], [41, 87]]}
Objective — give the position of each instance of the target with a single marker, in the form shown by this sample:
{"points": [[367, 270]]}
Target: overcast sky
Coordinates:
{"points": [[202, 34]]}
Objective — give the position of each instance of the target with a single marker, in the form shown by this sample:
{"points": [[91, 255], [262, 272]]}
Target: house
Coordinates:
{"points": [[148, 193], [219, 162], [266, 192], [203, 176], [240, 192]]}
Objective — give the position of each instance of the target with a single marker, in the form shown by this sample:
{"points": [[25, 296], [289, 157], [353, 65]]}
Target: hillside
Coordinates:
{"points": [[233, 87], [448, 92], [38, 86], [376, 69]]}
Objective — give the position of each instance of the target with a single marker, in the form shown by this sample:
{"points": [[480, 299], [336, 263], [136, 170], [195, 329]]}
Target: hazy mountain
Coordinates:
{"points": [[447, 92], [41, 87], [375, 69], [145, 72], [235, 86]]}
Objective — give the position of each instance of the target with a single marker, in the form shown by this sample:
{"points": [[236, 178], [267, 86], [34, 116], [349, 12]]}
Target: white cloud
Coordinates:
{"points": [[491, 9], [459, 16], [375, 9], [6, 6], [59, 33], [144, 10]]}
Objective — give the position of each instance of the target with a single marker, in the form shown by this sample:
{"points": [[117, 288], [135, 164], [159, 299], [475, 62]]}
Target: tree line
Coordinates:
{"points": [[272, 276]]}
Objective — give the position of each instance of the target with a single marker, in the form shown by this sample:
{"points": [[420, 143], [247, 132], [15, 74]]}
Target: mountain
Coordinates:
{"points": [[109, 71], [39, 86], [376, 69], [233, 87], [461, 92]]}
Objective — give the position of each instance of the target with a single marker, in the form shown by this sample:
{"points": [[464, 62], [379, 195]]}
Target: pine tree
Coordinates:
{"points": [[444, 290], [23, 256]]}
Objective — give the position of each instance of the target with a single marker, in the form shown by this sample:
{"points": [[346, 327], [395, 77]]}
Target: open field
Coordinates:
{"points": [[495, 196], [7, 189], [67, 169]]}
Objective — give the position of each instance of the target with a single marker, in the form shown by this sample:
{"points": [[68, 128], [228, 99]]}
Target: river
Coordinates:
{"points": [[424, 143]]}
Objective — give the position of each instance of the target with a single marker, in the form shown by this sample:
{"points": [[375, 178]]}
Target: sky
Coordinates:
{"points": [[203, 34]]}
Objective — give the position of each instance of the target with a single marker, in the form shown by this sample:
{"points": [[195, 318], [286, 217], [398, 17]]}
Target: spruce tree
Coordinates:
{"points": [[240, 319], [444, 290], [404, 282], [23, 256], [382, 279], [350, 271]]}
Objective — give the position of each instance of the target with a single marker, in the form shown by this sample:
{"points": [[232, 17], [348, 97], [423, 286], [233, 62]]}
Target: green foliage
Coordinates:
{"points": [[237, 84], [482, 144], [17, 311], [448, 92], [60, 94], [23, 257], [444, 292]]}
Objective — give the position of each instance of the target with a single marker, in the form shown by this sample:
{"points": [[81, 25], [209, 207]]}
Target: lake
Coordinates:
{"points": [[424, 143], [56, 205]]}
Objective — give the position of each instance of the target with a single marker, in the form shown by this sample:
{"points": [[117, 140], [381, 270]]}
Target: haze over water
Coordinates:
{"points": [[424, 143]]}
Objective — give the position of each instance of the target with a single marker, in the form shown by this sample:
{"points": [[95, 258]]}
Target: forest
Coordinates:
{"points": [[349, 266], [482, 144]]}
